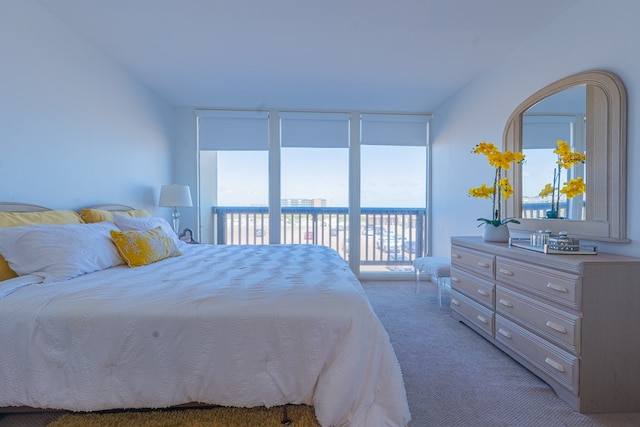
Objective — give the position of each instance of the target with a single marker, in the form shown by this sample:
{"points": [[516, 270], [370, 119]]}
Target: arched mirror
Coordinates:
{"points": [[588, 111]]}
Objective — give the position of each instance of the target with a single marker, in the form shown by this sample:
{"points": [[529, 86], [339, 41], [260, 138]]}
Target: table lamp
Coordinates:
{"points": [[175, 196]]}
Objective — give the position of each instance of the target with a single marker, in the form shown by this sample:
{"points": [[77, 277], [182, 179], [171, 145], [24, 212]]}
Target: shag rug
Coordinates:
{"points": [[300, 416]]}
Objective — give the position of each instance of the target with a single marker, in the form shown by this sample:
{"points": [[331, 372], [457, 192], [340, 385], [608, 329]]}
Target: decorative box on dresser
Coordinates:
{"points": [[573, 320]]}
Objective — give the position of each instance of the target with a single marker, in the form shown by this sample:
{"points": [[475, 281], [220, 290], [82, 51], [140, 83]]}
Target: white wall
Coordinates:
{"points": [[593, 34], [75, 128]]}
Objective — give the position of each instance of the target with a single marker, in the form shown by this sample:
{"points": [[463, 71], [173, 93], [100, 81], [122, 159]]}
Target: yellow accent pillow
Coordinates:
{"points": [[15, 219], [5, 271], [100, 215], [144, 247]]}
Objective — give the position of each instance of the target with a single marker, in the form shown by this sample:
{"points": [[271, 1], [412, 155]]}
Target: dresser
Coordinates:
{"points": [[573, 320]]}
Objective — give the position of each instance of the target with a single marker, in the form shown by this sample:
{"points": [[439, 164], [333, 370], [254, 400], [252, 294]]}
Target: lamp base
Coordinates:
{"points": [[176, 220]]}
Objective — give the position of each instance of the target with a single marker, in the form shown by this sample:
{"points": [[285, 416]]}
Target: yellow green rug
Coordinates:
{"points": [[300, 416]]}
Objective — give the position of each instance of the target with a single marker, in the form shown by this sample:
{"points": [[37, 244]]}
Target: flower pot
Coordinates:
{"points": [[496, 234], [552, 213]]}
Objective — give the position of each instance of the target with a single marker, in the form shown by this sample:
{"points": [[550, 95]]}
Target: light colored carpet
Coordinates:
{"points": [[453, 376]]}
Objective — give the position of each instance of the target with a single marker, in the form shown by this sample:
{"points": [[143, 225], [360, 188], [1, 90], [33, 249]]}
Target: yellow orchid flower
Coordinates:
{"points": [[548, 189], [481, 192], [501, 188], [573, 187]]}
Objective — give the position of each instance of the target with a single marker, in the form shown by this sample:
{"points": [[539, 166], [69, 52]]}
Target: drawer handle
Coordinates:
{"points": [[506, 272], [483, 292], [506, 303], [555, 365], [482, 319], [483, 264], [556, 327], [558, 288], [455, 301], [455, 279], [454, 255], [505, 333]]}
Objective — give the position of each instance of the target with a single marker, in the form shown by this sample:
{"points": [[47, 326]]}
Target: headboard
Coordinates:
{"points": [[21, 207], [112, 207], [26, 207]]}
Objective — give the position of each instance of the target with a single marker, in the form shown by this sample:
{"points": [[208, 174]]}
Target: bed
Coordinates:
{"points": [[243, 326]]}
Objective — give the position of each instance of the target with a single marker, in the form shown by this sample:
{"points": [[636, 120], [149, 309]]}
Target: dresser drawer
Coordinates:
{"points": [[477, 289], [474, 261], [563, 288], [557, 363], [558, 326], [475, 313]]}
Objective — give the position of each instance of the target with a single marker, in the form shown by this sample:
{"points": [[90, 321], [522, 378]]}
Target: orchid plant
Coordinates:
{"points": [[501, 188], [571, 188]]}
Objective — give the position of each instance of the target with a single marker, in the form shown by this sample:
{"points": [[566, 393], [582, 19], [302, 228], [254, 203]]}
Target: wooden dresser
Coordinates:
{"points": [[573, 320]]}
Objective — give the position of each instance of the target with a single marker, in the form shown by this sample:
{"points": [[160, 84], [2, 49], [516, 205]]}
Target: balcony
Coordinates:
{"points": [[389, 237]]}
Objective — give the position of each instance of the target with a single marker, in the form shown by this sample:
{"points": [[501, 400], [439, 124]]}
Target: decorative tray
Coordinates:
{"points": [[525, 243]]}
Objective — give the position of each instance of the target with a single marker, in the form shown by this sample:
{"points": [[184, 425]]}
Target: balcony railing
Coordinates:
{"points": [[388, 236], [539, 209]]}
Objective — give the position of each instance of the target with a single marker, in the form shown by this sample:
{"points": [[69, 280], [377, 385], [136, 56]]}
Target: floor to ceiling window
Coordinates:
{"points": [[314, 169], [330, 177], [393, 159]]}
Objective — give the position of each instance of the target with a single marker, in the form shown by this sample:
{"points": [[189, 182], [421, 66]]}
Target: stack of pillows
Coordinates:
{"points": [[59, 245]]}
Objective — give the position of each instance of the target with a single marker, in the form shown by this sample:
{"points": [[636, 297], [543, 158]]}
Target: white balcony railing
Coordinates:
{"points": [[388, 236]]}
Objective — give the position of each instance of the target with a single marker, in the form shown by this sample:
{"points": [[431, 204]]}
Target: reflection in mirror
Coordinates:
{"points": [[560, 116], [602, 128]]}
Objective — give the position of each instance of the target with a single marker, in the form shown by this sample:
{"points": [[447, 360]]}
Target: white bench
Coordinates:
{"points": [[438, 268]]}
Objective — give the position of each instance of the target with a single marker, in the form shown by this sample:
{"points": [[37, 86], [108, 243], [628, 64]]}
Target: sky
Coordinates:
{"points": [[390, 177], [537, 171]]}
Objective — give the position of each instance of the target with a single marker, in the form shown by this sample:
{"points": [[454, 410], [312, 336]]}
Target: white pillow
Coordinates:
{"points": [[59, 252], [128, 223]]}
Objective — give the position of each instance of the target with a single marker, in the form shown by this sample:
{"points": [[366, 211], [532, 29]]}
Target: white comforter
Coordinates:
{"points": [[227, 325]]}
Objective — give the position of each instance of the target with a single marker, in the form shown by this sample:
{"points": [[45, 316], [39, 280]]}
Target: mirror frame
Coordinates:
{"points": [[606, 143]]}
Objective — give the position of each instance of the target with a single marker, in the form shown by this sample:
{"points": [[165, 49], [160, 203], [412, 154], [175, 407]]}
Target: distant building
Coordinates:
{"points": [[304, 203]]}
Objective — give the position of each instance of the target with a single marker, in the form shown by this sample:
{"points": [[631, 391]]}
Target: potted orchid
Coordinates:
{"points": [[501, 189], [571, 188]]}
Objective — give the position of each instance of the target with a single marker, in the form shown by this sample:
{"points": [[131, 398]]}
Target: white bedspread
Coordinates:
{"points": [[227, 325]]}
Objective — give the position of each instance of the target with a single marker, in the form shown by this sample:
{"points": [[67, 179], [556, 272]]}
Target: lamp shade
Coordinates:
{"points": [[175, 195]]}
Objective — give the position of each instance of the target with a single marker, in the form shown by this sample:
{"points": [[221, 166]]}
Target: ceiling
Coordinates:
{"points": [[389, 55]]}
